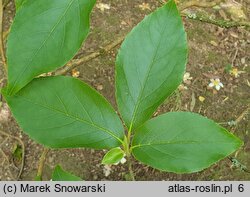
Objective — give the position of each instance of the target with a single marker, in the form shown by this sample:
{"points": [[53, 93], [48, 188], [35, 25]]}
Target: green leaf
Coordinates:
{"points": [[17, 152], [61, 175], [150, 64], [113, 156], [44, 36], [64, 112], [182, 142], [19, 3]]}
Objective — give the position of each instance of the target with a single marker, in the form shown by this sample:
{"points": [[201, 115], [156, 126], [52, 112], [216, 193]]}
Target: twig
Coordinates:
{"points": [[130, 168], [1, 37], [41, 164], [220, 23], [23, 148], [237, 164], [76, 62], [4, 141], [235, 55], [128, 150], [195, 3], [7, 159], [199, 17], [5, 34], [239, 119]]}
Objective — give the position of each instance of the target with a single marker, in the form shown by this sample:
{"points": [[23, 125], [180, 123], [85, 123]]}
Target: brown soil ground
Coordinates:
{"points": [[211, 49]]}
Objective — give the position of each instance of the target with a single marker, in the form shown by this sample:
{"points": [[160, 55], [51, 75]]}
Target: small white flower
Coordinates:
{"points": [[216, 84], [75, 73], [103, 6]]}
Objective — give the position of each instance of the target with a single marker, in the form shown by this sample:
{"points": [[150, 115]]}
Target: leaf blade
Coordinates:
{"points": [[61, 175], [113, 156], [150, 64], [63, 112], [182, 142], [45, 35]]}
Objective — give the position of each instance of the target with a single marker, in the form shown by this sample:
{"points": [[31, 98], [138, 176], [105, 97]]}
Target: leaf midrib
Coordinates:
{"points": [[75, 118], [180, 142], [146, 78], [43, 44]]}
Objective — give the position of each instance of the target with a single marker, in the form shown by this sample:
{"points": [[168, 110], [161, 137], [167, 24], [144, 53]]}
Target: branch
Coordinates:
{"points": [[5, 34], [1, 37], [130, 168], [76, 62], [238, 164], [195, 3], [242, 115], [220, 23], [23, 148], [7, 159], [41, 164], [206, 19]]}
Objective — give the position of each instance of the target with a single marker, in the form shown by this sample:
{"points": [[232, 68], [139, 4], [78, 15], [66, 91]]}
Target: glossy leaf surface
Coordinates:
{"points": [[63, 112], [182, 142], [113, 156], [45, 35], [61, 175], [150, 64]]}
